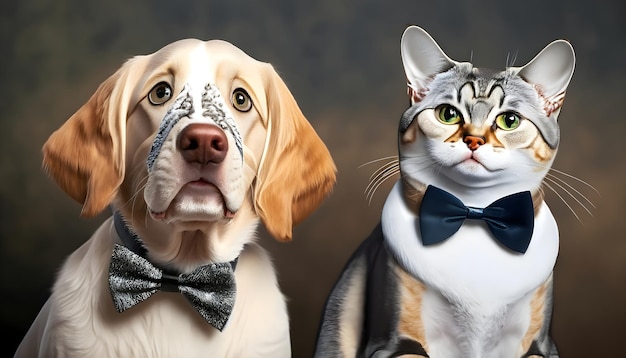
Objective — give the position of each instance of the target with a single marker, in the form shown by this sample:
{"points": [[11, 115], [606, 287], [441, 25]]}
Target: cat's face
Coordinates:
{"points": [[474, 129]]}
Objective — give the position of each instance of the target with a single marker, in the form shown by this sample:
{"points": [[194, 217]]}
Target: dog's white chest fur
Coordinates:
{"points": [[79, 319], [478, 293]]}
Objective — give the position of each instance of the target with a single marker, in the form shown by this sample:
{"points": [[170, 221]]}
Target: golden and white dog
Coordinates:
{"points": [[191, 146]]}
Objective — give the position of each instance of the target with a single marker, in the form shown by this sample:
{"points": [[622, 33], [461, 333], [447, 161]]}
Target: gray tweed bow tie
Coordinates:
{"points": [[132, 279]]}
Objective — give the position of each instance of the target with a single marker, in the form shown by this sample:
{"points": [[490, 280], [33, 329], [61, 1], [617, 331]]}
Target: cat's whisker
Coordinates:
{"points": [[560, 172], [571, 195], [370, 195], [564, 201], [383, 168], [416, 160], [575, 178], [380, 178], [421, 169], [559, 179], [553, 177], [378, 160], [559, 183], [542, 192]]}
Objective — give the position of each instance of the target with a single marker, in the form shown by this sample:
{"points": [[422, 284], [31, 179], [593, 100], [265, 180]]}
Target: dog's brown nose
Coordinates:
{"points": [[203, 143]]}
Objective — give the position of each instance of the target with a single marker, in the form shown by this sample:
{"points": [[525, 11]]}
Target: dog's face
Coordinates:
{"points": [[194, 135], [210, 133]]}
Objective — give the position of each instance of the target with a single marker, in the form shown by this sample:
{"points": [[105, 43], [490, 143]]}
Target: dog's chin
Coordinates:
{"points": [[196, 204]]}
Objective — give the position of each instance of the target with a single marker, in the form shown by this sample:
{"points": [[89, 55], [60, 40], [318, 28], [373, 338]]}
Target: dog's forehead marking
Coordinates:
{"points": [[201, 67]]}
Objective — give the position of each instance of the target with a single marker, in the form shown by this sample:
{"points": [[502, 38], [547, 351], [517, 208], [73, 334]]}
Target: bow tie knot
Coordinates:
{"points": [[475, 213], [210, 288], [509, 219]]}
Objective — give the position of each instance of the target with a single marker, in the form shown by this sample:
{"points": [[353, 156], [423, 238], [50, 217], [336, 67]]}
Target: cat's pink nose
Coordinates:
{"points": [[473, 142]]}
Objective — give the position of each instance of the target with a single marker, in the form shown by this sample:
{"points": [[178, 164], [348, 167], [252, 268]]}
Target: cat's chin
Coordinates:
{"points": [[472, 171]]}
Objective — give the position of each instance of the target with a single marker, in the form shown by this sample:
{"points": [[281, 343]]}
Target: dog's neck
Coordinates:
{"points": [[127, 236], [134, 243]]}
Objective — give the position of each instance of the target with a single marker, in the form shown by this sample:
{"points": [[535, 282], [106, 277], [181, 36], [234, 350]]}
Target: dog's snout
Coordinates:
{"points": [[203, 143]]}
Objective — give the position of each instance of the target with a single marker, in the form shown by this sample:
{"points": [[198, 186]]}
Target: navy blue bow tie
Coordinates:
{"points": [[510, 219]]}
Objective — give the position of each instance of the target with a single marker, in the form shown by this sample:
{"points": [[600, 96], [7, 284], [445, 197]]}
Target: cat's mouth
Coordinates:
{"points": [[472, 159], [472, 164]]}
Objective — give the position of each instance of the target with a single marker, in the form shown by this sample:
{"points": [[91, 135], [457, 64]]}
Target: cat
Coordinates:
{"points": [[421, 285]]}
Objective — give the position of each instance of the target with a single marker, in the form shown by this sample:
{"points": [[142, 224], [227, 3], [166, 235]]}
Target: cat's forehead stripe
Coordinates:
{"points": [[479, 98]]}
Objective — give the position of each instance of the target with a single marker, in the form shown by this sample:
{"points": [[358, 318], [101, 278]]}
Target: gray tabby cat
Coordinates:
{"points": [[475, 284]]}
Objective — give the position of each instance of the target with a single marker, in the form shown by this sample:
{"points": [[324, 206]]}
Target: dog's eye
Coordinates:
{"points": [[241, 100], [160, 93]]}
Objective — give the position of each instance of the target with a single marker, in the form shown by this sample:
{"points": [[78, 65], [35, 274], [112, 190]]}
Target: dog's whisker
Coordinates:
{"points": [[146, 216], [131, 201], [136, 196], [141, 182]]}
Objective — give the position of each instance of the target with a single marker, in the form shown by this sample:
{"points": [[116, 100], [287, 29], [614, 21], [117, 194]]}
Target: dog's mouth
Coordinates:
{"points": [[197, 200]]}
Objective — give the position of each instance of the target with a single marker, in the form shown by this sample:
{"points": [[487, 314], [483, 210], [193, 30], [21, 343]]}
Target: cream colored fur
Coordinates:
{"points": [[187, 213]]}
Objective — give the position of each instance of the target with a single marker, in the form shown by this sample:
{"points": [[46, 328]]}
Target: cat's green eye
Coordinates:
{"points": [[447, 114], [508, 121]]}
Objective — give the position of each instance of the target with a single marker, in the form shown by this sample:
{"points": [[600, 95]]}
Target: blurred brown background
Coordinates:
{"points": [[341, 59]]}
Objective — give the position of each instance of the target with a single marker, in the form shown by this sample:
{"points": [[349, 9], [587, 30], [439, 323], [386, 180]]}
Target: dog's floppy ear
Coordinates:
{"points": [[85, 156], [297, 171]]}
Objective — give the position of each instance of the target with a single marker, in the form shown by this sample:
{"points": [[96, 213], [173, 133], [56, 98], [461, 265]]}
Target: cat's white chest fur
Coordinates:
{"points": [[478, 293]]}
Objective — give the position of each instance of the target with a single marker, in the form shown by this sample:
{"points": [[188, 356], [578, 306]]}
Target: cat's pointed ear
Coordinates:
{"points": [[550, 72], [422, 59]]}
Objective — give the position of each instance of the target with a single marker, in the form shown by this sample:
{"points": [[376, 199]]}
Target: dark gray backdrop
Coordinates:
{"points": [[341, 60]]}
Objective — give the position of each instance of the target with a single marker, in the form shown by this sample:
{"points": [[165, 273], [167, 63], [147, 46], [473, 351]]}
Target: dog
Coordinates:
{"points": [[191, 148]]}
